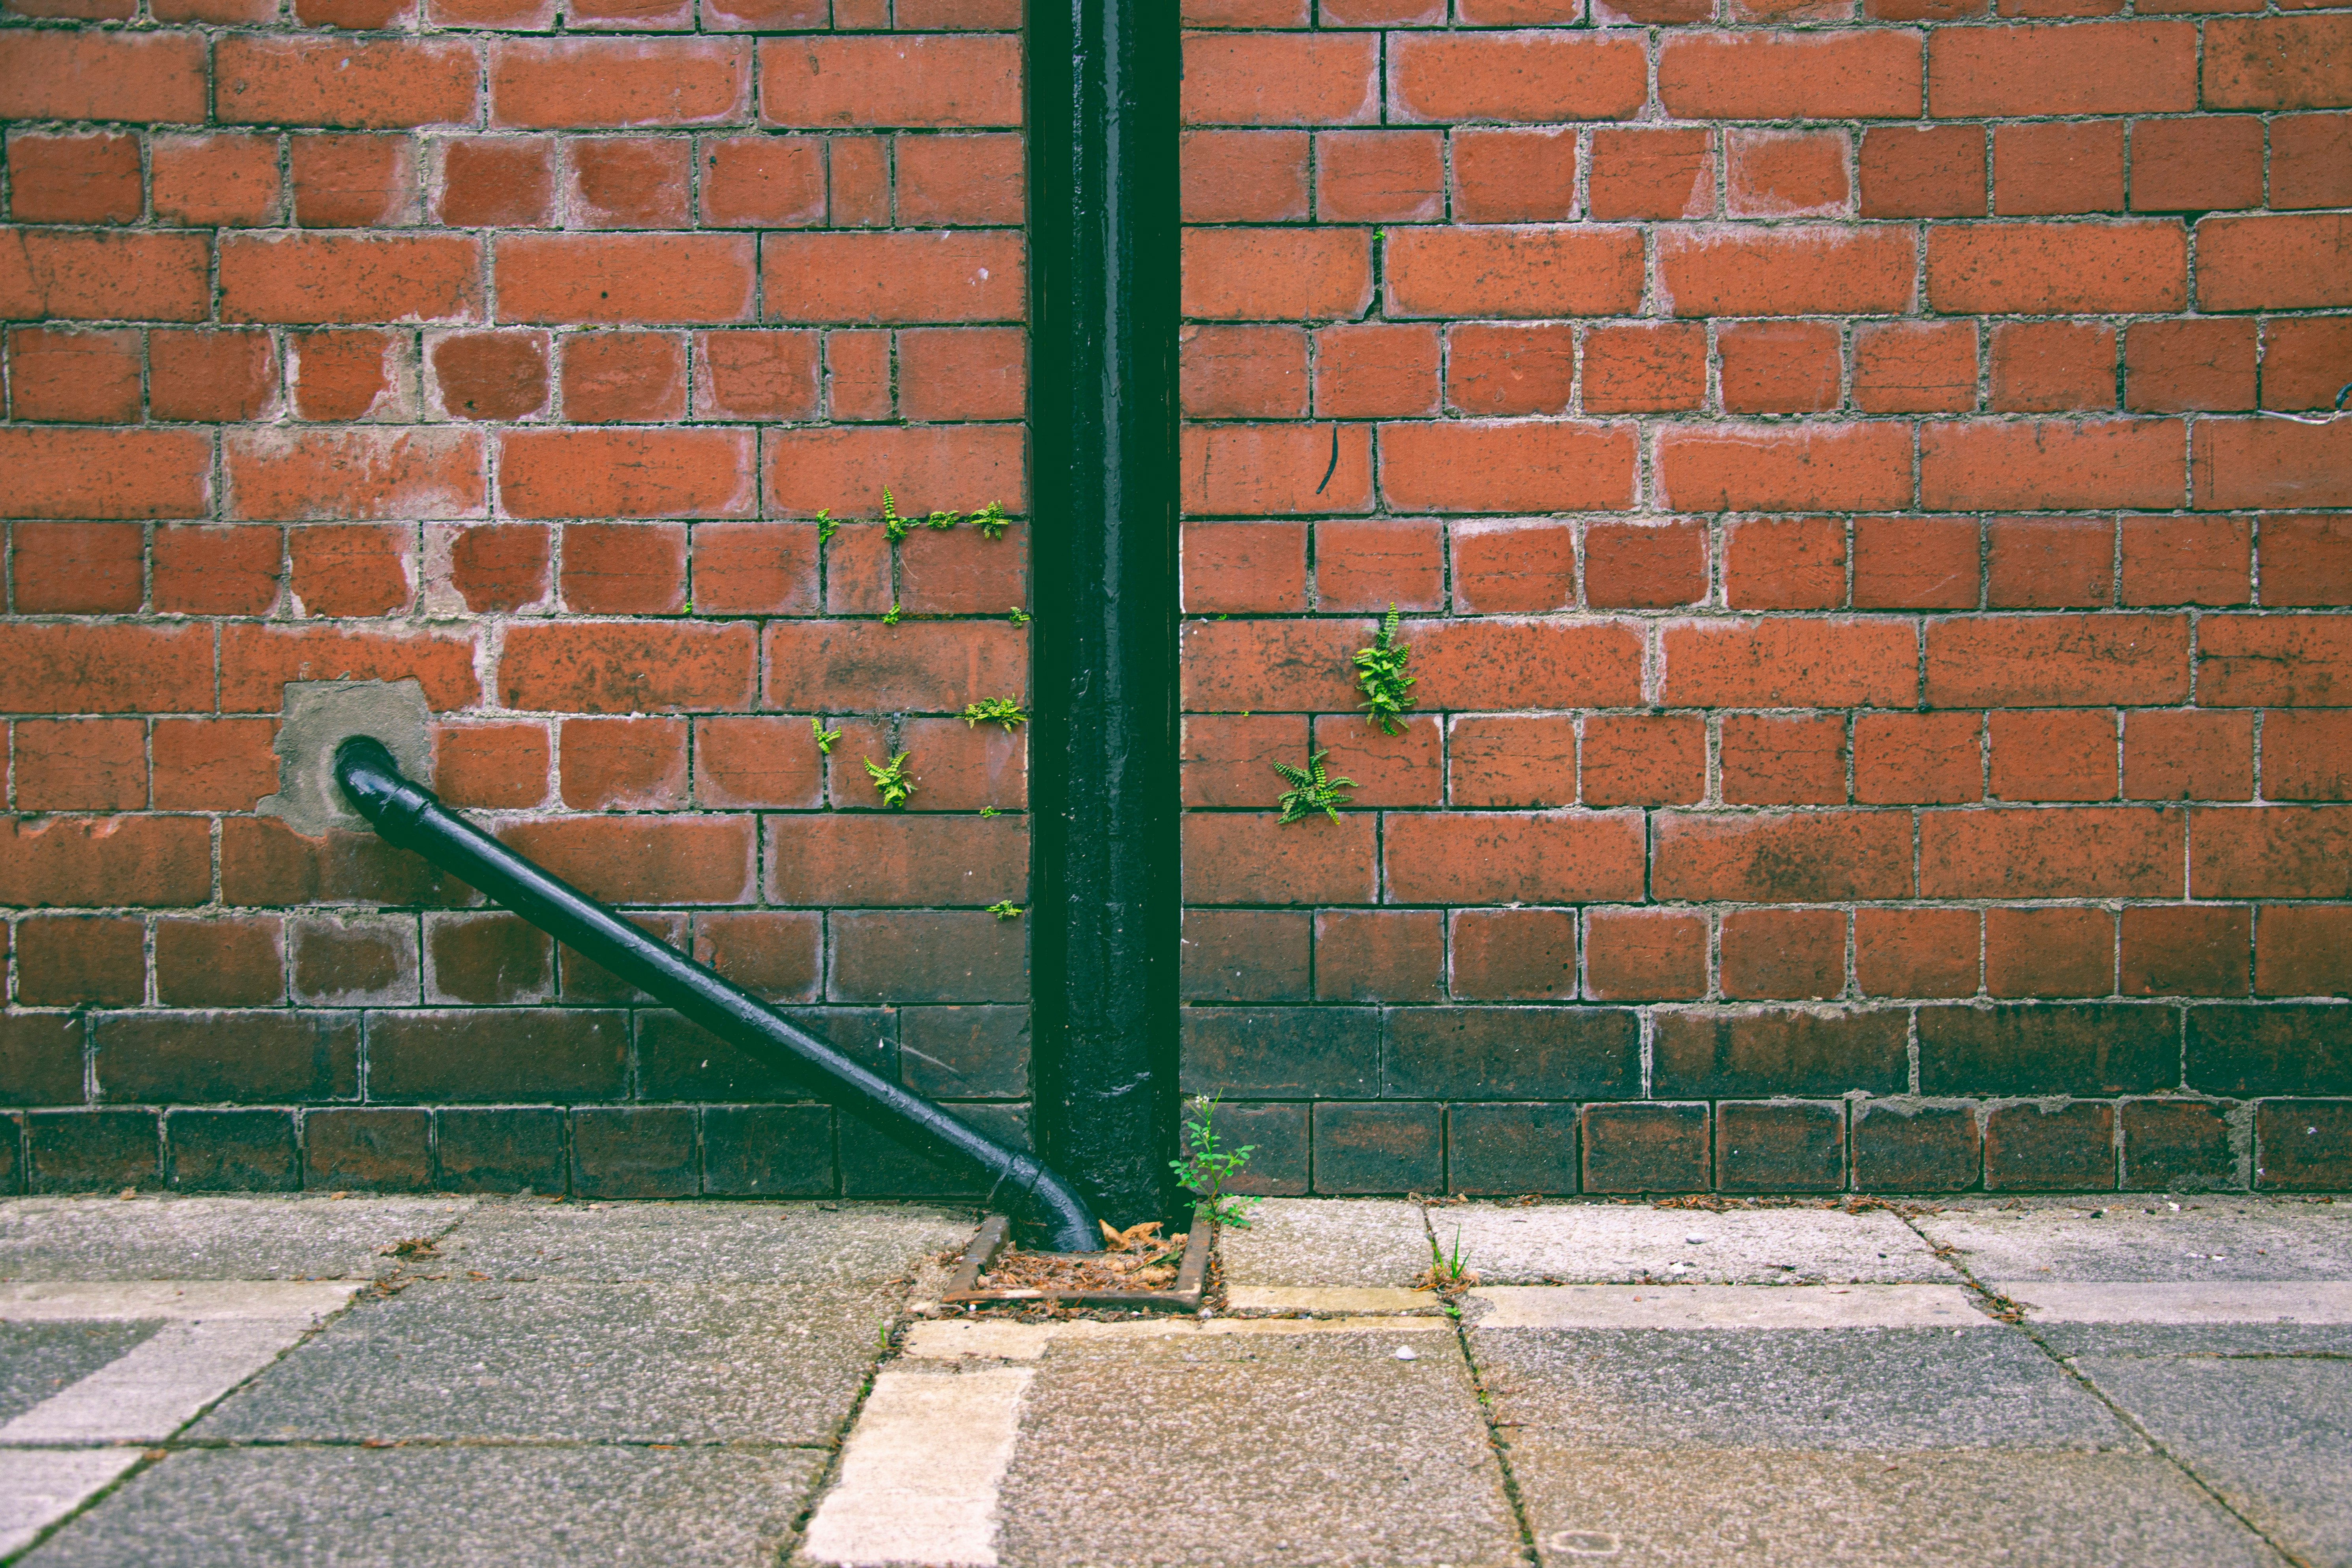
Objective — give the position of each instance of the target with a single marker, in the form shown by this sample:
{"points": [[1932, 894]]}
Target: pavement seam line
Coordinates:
{"points": [[2003, 1308], [1495, 1443]]}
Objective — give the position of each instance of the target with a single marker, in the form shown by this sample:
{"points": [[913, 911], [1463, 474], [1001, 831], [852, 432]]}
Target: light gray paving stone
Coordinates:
{"points": [[1579, 1244], [37, 1360], [311, 1238], [682, 1242], [1327, 1242], [2072, 1340], [2273, 1435], [463, 1359], [1206, 1451], [1684, 1508], [2206, 1238], [1782, 1388], [445, 1507]]}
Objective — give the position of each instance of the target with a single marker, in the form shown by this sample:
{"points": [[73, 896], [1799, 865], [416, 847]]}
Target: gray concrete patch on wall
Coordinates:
{"points": [[320, 715]]}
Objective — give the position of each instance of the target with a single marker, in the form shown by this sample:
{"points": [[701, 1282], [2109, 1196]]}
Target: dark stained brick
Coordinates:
{"points": [[965, 1053], [1905, 1146], [1780, 1148], [2292, 1049], [2068, 1049], [1298, 1053], [92, 1150], [1512, 1053], [2177, 1146], [1645, 1147], [511, 1054], [1713, 1054], [40, 1058], [2304, 1145], [377, 1151], [635, 1152], [227, 1057], [767, 1150], [1378, 1146], [233, 1151], [2069, 1148], [508, 1150], [1506, 1147]]}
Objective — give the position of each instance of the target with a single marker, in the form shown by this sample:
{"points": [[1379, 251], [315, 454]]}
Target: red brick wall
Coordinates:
{"points": [[377, 341], [1880, 678]]}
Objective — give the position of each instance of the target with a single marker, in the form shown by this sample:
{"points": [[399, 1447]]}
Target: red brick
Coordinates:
{"points": [[2271, 463], [864, 666], [553, 83], [1276, 667], [2087, 852], [1785, 564], [1513, 272], [219, 963], [628, 668], [80, 764], [106, 861], [861, 181], [2188, 756], [1795, 954], [2050, 563], [1772, 759], [1375, 369], [1489, 665], [2187, 559], [759, 15], [747, 374], [750, 568], [1652, 173], [1462, 858], [1245, 12], [101, 276], [1327, 78], [670, 278], [256, 662], [1375, 176], [320, 278], [351, 571], [107, 473], [2196, 164], [944, 276], [204, 571], [1514, 175], [1241, 373], [1644, 759], [2279, 62], [900, 81], [623, 569], [501, 181], [2057, 660], [1513, 955], [1923, 170], [227, 178], [751, 182], [623, 764], [1270, 274], [502, 567], [1792, 664], [1516, 77], [2172, 367], [624, 377], [2186, 951], [1778, 173], [352, 475], [1902, 562], [1379, 955], [2304, 952], [214, 765], [1239, 857], [755, 763], [85, 178], [1871, 75], [2042, 368], [106, 668], [342, 375], [2087, 68], [645, 859], [1238, 567], [1779, 367], [626, 473], [1376, 562], [960, 179], [2061, 755], [1517, 761], [964, 573], [499, 766], [77, 568], [2049, 953], [1228, 759], [1511, 370], [2058, 166], [1244, 177], [1853, 467], [928, 469], [2287, 660], [1404, 769], [1644, 565], [628, 182], [1915, 952], [1914, 367], [2311, 161], [488, 375], [858, 368], [71, 74], [1917, 759], [2054, 268], [2306, 560], [356, 84], [353, 182], [2278, 852], [1245, 470], [1499, 466], [1649, 369], [1782, 858], [1801, 271], [1636, 955], [2051, 463], [75, 962], [2274, 263], [81, 376]]}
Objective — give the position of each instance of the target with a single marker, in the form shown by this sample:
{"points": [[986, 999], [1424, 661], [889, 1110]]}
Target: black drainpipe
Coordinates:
{"points": [[1103, 81], [407, 813]]}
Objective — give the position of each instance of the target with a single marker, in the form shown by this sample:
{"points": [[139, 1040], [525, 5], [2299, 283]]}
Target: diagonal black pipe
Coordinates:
{"points": [[407, 813]]}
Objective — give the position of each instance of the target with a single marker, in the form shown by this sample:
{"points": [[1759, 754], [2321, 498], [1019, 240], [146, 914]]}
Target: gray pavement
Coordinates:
{"points": [[467, 1382]]}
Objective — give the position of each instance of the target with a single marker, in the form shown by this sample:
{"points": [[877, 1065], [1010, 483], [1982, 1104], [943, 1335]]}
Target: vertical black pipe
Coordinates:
{"points": [[1103, 276]]}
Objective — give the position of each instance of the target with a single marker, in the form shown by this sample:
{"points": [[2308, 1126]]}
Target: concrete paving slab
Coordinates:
{"points": [[653, 1363], [2167, 1301], [2209, 1240], [2071, 1340], [2272, 1435], [1782, 1388], [1579, 1244], [1725, 1307], [1333, 1299], [680, 1243], [137, 1300], [1206, 1451], [445, 1507], [1684, 1508], [212, 1238], [163, 1383], [1327, 1242], [920, 1473], [37, 1360], [39, 1486]]}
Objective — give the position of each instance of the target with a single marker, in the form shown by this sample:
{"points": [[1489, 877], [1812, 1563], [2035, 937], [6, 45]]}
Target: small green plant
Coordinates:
{"points": [[891, 782], [1001, 710], [1005, 910], [825, 525], [1206, 1166], [990, 811], [990, 519], [1019, 616], [1380, 670], [1311, 790], [892, 523], [824, 737], [942, 520], [1448, 1274], [891, 619]]}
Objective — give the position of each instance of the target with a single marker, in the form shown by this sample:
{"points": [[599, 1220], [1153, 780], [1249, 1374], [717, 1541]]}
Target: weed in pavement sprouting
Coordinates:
{"points": [[1206, 1165]]}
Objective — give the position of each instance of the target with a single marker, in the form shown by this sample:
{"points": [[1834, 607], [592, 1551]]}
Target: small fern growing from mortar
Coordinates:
{"points": [[1312, 789], [1381, 672], [890, 782], [1001, 710]]}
